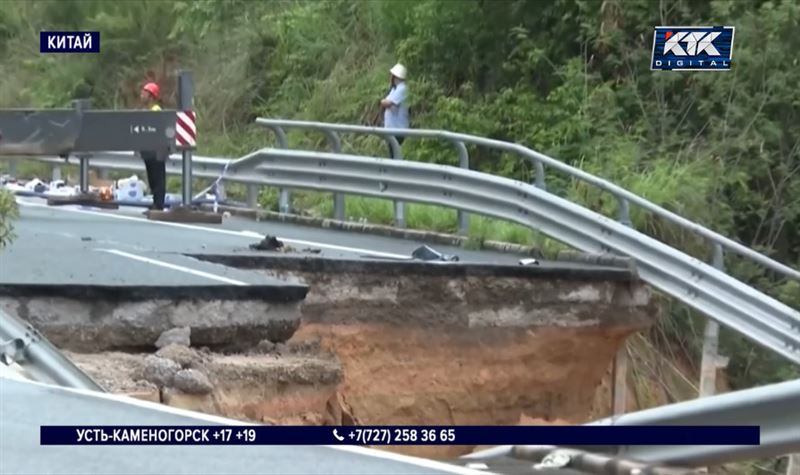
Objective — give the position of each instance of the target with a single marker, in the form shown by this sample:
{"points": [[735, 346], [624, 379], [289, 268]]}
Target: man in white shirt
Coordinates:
{"points": [[395, 104]]}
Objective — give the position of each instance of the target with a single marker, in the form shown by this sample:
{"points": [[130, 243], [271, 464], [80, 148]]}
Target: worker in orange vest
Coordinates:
{"points": [[156, 165]]}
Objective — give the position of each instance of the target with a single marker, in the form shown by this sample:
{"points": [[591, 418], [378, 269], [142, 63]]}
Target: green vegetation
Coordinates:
{"points": [[569, 78], [8, 212]]}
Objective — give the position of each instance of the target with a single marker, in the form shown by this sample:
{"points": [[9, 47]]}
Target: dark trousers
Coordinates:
{"points": [[399, 141], [157, 181]]}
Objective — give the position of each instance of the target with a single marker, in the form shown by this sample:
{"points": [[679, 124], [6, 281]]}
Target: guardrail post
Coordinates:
{"points": [[463, 162], [710, 362], [252, 196], [83, 104], [537, 165], [338, 198], [399, 206], [624, 212], [185, 104], [283, 142]]}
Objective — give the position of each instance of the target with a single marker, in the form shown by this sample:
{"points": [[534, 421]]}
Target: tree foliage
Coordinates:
{"points": [[569, 78]]}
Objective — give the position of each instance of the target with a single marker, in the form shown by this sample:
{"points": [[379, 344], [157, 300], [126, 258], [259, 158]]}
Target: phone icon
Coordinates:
{"points": [[338, 437]]}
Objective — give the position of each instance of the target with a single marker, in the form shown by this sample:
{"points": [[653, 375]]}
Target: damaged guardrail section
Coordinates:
{"points": [[22, 344], [705, 288], [772, 408]]}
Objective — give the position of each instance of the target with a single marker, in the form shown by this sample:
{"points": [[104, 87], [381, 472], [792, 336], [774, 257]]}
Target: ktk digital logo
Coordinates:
{"points": [[692, 48]]}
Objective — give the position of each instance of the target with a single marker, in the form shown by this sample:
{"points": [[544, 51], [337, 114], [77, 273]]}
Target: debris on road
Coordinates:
{"points": [[528, 262], [178, 336], [269, 243], [272, 243], [127, 191], [426, 253]]}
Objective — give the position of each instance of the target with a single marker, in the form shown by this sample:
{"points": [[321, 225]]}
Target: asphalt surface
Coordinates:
{"points": [[71, 244]]}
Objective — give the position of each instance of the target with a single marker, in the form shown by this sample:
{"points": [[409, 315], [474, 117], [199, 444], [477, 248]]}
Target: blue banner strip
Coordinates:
{"points": [[69, 41], [400, 435]]}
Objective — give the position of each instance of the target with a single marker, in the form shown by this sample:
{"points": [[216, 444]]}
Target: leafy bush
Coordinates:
{"points": [[8, 213]]}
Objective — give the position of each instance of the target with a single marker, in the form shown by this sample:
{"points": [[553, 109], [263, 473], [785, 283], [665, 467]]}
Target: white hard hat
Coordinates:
{"points": [[399, 71]]}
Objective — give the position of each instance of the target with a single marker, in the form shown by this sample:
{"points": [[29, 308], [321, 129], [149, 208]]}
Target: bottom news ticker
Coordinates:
{"points": [[399, 435]]}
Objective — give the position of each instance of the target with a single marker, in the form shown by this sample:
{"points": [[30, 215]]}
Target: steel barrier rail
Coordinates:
{"points": [[703, 287], [623, 196], [23, 344], [772, 407]]}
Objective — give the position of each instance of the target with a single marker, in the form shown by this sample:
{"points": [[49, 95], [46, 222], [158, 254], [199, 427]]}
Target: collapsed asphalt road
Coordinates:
{"points": [[70, 244]]}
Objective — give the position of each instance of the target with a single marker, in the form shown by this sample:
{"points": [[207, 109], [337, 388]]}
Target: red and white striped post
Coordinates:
{"points": [[186, 131]]}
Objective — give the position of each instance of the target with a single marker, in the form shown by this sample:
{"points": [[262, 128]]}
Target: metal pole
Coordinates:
{"points": [[624, 212], [284, 200], [537, 165], [463, 162], [83, 104], [252, 196], [399, 206], [185, 103], [710, 361], [338, 198]]}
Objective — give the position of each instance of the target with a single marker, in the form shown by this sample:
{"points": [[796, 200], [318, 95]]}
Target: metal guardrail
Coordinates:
{"points": [[773, 408], [22, 344], [703, 287], [624, 197]]}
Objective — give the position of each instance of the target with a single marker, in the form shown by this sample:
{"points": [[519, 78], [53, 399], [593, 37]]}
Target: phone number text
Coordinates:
{"points": [[402, 436]]}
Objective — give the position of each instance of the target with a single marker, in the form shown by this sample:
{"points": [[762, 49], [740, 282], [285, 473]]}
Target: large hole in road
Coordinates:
{"points": [[355, 342]]}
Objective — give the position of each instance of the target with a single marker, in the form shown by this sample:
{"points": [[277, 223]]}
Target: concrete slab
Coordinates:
{"points": [[96, 318]]}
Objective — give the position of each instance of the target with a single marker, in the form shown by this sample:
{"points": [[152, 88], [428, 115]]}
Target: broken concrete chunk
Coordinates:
{"points": [[160, 371], [183, 355], [176, 336], [192, 381]]}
